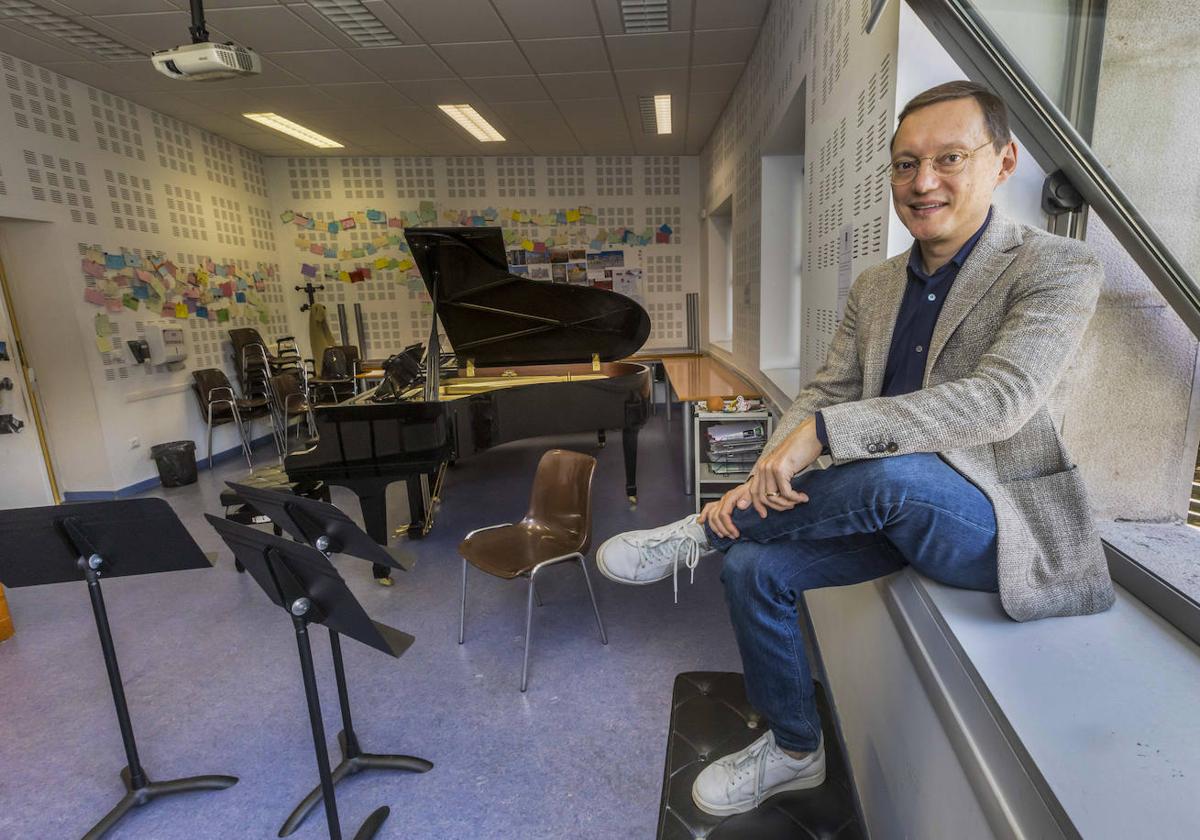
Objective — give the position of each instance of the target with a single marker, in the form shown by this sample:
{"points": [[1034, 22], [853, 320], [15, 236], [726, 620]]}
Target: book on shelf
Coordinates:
{"points": [[742, 430]]}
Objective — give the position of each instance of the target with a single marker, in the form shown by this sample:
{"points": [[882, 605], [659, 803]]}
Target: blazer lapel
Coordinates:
{"points": [[988, 260], [880, 325]]}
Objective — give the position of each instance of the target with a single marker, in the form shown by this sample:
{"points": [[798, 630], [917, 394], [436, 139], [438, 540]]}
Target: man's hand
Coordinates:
{"points": [[717, 514], [770, 484]]}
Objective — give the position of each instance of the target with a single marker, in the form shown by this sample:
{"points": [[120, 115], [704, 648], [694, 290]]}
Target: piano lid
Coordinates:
{"points": [[499, 319]]}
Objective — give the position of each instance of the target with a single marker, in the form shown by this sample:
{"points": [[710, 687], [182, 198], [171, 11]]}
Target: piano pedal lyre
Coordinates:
{"points": [[633, 501]]}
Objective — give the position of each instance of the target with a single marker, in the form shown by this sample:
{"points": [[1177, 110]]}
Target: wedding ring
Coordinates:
{"points": [[772, 494]]}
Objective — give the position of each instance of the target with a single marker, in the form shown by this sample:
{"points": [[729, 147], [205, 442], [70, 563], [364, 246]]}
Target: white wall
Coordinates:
{"points": [[98, 171]]}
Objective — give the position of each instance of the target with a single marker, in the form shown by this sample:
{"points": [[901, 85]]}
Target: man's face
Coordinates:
{"points": [[948, 208]]}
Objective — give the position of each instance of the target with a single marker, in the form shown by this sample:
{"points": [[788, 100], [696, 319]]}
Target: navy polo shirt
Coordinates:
{"points": [[924, 296]]}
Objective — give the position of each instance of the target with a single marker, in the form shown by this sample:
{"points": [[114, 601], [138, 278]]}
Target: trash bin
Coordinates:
{"points": [[176, 462]]}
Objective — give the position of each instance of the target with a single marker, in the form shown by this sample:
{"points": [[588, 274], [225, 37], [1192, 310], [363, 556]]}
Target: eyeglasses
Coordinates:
{"points": [[950, 162]]}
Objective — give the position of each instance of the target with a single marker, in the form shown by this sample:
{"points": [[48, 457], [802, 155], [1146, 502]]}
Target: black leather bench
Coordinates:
{"points": [[710, 718]]}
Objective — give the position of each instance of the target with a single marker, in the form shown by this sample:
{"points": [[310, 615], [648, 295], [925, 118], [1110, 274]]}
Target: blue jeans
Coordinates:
{"points": [[863, 520]]}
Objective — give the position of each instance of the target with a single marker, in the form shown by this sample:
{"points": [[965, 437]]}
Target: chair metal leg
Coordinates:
{"points": [[210, 436], [237, 418], [528, 631], [536, 595], [462, 612], [587, 579]]}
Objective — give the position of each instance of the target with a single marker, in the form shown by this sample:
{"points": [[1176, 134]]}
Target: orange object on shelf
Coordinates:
{"points": [[697, 378], [6, 622]]}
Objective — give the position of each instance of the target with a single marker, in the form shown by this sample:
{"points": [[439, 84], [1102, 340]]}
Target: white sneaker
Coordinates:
{"points": [[647, 556], [739, 782]]}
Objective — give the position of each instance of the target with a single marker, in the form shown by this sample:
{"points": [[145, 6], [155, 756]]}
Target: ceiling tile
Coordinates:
{"points": [[449, 21], [714, 78], [566, 55], [599, 85], [151, 31], [99, 7], [141, 75], [35, 49], [596, 118], [722, 14], [646, 82], [224, 100], [437, 91], [380, 9], [219, 4], [289, 101], [679, 16], [548, 18], [372, 95], [723, 46], [489, 58], [508, 88], [89, 72], [324, 66], [663, 49], [404, 63], [268, 29]]}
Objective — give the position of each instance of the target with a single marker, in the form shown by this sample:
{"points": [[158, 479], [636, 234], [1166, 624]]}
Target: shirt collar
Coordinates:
{"points": [[918, 268]]}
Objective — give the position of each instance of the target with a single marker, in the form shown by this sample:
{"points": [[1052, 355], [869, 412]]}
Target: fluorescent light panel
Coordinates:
{"points": [[475, 125], [656, 113], [357, 21], [75, 34], [645, 15], [296, 130]]}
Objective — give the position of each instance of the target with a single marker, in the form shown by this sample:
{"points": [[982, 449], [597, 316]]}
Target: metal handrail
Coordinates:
{"points": [[1057, 145]]}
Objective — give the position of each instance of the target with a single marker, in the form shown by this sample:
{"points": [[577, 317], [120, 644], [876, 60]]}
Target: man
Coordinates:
{"points": [[932, 405]]}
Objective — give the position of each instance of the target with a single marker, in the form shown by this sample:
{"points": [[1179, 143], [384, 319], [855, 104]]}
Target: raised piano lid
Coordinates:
{"points": [[497, 319]]}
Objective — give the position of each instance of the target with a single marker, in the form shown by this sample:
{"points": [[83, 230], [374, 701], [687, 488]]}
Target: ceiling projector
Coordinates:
{"points": [[206, 62], [201, 61]]}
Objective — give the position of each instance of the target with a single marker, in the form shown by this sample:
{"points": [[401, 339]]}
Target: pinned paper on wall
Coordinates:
{"points": [[348, 223], [222, 316], [333, 227], [114, 261], [93, 296], [102, 325], [131, 302], [375, 216], [181, 310], [308, 270]]}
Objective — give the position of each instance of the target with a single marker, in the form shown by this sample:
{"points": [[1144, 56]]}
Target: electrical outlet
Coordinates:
{"points": [[134, 443]]}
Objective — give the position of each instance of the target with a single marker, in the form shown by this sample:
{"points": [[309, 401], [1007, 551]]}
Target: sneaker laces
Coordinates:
{"points": [[757, 755], [681, 547]]}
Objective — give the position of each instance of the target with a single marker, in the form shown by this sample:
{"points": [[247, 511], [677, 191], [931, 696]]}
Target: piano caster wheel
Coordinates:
{"points": [[633, 501]]}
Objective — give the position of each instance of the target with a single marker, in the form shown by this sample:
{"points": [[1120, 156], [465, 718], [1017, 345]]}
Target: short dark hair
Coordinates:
{"points": [[995, 114]]}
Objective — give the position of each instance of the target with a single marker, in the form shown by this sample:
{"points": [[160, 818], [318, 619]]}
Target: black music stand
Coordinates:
{"points": [[87, 542], [330, 531], [301, 580]]}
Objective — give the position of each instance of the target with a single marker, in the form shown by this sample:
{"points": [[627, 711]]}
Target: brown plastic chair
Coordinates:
{"points": [[557, 528], [289, 402], [219, 405]]}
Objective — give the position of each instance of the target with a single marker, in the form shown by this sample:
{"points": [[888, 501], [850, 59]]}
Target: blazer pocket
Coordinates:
{"points": [[1055, 511]]}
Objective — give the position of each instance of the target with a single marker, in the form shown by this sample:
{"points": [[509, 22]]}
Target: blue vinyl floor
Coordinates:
{"points": [[213, 681]]}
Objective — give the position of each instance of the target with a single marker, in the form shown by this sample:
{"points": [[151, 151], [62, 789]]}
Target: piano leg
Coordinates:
{"points": [[629, 442], [374, 511], [416, 507], [601, 438]]}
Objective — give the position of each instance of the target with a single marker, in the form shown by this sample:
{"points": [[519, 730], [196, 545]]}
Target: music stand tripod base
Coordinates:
{"points": [[148, 791]]}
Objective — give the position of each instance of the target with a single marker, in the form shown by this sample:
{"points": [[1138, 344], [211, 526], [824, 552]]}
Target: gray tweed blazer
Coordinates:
{"points": [[1010, 325]]}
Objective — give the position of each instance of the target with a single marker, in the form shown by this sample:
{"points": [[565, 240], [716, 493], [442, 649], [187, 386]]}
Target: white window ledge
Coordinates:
{"points": [[1066, 727], [1171, 550], [786, 380]]}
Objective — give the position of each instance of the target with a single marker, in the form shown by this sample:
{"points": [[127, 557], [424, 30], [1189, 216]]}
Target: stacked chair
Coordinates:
{"points": [[255, 365], [220, 405], [290, 406]]}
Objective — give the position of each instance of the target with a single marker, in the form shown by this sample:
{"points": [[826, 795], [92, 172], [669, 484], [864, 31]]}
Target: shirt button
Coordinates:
{"points": [[919, 348], [932, 296]]}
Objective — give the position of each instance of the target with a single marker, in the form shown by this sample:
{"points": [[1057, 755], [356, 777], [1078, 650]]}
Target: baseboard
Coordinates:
{"points": [[154, 481]]}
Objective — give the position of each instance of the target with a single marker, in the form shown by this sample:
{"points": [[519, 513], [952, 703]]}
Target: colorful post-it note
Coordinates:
{"points": [[308, 270], [181, 310]]}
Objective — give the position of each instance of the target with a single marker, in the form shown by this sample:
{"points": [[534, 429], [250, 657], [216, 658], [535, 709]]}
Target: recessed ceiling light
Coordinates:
{"points": [[476, 126], [75, 34], [656, 113], [645, 15], [294, 130], [357, 21]]}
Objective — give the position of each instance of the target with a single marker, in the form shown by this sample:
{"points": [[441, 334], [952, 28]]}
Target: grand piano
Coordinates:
{"points": [[530, 359]]}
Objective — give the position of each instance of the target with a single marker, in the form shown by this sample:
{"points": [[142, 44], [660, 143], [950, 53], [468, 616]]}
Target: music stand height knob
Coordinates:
{"points": [[300, 607]]}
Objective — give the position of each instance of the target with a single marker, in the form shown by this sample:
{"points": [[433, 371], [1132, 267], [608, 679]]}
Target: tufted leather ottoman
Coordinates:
{"points": [[710, 718]]}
